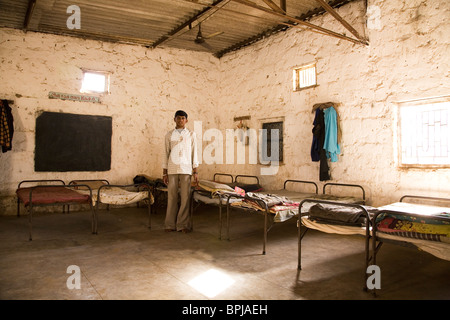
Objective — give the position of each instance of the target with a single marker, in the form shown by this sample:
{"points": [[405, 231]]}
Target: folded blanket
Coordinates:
{"points": [[270, 199], [215, 187], [335, 214], [281, 207]]}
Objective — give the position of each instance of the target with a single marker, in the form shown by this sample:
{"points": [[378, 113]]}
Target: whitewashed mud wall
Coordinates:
{"points": [[407, 59], [147, 87]]}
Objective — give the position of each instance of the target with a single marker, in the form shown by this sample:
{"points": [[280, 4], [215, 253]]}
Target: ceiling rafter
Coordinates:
{"points": [[29, 14], [95, 35], [336, 15], [274, 6], [301, 22], [280, 27]]}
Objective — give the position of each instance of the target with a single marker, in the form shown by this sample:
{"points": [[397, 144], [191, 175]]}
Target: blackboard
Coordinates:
{"points": [[72, 142]]}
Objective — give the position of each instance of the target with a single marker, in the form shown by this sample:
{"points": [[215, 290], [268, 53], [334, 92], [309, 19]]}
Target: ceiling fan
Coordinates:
{"points": [[200, 39]]}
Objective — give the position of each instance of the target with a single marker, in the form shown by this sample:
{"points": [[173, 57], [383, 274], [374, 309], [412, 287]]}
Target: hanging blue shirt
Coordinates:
{"points": [[330, 144]]}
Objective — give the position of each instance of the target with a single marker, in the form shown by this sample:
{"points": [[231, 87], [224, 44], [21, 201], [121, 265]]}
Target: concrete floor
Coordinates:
{"points": [[126, 260]]}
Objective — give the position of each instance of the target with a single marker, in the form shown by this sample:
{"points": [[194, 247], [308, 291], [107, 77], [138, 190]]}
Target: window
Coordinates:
{"points": [[304, 77], [95, 82], [424, 133], [272, 141]]}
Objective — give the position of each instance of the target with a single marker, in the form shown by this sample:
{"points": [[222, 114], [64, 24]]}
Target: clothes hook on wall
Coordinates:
{"points": [[322, 106]]}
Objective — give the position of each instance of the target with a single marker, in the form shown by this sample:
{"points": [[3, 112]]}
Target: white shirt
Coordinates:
{"points": [[180, 155]]}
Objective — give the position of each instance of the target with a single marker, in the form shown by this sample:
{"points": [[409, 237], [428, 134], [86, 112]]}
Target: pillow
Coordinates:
{"points": [[214, 186], [248, 187]]}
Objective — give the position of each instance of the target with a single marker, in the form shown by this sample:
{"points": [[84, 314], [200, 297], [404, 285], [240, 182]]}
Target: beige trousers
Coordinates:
{"points": [[178, 217]]}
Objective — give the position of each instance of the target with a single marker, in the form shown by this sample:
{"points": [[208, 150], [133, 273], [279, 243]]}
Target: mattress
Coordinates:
{"points": [[414, 208], [43, 195], [198, 197], [333, 228], [118, 196], [292, 195]]}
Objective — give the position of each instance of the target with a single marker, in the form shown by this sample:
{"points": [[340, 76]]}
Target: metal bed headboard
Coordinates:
{"points": [[301, 181], [345, 185], [246, 176], [423, 198], [223, 174]]}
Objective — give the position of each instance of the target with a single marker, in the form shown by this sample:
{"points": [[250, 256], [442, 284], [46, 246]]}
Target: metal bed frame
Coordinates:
{"points": [[106, 184], [158, 191], [55, 181], [345, 185], [224, 175], [31, 204], [246, 176], [377, 242], [372, 241], [75, 182], [145, 186], [104, 181], [220, 205], [367, 236], [266, 211]]}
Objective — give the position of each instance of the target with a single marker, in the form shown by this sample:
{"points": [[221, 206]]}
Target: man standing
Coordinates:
{"points": [[180, 163]]}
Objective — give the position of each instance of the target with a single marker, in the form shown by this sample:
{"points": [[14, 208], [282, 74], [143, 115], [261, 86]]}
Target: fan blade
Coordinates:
{"points": [[215, 34], [206, 46]]}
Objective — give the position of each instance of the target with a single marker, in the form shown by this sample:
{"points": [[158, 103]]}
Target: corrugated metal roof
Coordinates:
{"points": [[225, 25]]}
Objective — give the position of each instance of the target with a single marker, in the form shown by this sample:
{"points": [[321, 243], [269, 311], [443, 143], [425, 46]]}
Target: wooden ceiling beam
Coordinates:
{"points": [[283, 5], [93, 35], [331, 11], [30, 9], [274, 6], [301, 22]]}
